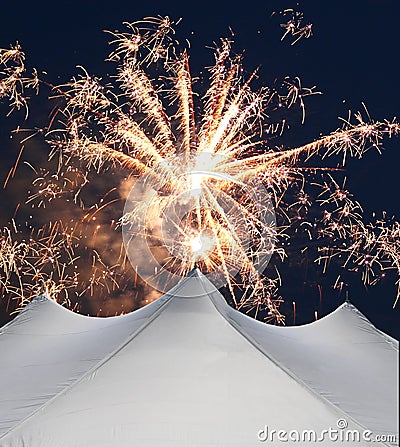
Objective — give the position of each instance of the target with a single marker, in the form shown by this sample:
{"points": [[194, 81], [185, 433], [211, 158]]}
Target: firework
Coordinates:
{"points": [[209, 182], [294, 26], [372, 249], [30, 266], [14, 80], [46, 262]]}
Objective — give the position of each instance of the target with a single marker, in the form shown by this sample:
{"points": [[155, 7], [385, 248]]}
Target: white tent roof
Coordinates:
{"points": [[188, 370]]}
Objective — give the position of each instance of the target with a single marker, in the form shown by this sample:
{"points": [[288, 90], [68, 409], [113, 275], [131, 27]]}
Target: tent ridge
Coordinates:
{"points": [[97, 366], [292, 375]]}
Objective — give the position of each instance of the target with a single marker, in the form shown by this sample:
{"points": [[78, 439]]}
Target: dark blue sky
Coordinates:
{"points": [[352, 58]]}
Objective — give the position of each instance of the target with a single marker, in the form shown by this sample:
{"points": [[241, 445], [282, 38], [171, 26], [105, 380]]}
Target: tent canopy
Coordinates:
{"points": [[188, 370]]}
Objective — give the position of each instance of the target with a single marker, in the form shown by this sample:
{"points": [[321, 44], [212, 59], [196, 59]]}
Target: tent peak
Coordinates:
{"points": [[194, 285], [195, 273], [346, 305], [42, 297]]}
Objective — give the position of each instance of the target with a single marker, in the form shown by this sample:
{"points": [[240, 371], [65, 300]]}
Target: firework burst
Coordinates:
{"points": [[213, 181]]}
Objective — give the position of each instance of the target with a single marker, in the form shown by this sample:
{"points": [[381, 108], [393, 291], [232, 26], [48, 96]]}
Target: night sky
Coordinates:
{"points": [[352, 58]]}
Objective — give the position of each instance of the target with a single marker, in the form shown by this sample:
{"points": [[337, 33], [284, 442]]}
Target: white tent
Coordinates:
{"points": [[188, 370]]}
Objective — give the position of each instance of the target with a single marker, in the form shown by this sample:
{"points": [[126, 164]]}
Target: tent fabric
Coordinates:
{"points": [[188, 370], [47, 347], [342, 357]]}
